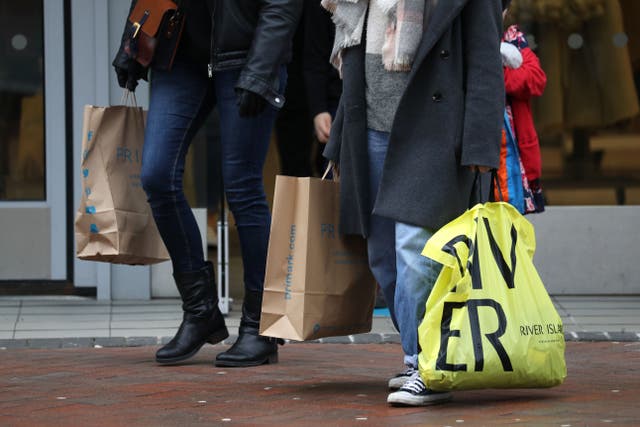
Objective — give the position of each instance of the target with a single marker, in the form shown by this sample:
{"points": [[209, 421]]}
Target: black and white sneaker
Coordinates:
{"points": [[404, 376], [415, 393]]}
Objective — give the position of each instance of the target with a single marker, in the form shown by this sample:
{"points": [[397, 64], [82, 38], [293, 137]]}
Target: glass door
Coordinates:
{"points": [[33, 228], [22, 168]]}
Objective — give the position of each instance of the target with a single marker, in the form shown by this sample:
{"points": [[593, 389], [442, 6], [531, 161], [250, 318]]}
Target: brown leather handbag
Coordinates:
{"points": [[155, 30]]}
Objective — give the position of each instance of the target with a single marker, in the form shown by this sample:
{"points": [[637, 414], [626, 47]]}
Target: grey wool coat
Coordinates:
{"points": [[449, 117]]}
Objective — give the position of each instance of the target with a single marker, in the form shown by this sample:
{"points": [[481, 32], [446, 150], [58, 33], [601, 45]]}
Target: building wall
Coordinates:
{"points": [[588, 249], [581, 249]]}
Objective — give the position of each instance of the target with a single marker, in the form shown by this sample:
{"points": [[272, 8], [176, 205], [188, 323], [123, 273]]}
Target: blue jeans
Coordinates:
{"points": [[405, 276], [180, 101]]}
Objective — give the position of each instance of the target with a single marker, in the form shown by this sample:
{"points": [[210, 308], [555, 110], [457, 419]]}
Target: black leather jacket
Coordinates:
{"points": [[254, 35]]}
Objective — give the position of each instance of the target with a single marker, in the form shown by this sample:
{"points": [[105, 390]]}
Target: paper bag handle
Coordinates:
{"points": [[331, 166], [128, 98]]}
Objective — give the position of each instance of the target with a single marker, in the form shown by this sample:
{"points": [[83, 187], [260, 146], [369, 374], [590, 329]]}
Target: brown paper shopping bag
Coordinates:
{"points": [[114, 221], [317, 282]]}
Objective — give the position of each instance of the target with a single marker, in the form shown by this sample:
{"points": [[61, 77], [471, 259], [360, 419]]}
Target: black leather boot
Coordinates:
{"points": [[250, 349], [202, 321]]}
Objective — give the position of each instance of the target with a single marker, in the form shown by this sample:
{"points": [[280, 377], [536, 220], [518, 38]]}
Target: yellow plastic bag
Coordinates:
{"points": [[489, 321]]}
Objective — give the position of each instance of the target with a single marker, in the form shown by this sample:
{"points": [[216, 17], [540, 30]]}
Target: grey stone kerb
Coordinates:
{"points": [[371, 338]]}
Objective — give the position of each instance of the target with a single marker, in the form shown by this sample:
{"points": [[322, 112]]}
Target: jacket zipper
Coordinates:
{"points": [[211, 53]]}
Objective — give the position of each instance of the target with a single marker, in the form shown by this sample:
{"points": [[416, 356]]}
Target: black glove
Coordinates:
{"points": [[250, 104], [128, 76]]}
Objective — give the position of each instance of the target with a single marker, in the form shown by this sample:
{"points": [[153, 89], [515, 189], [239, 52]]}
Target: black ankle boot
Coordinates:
{"points": [[250, 349], [202, 320]]}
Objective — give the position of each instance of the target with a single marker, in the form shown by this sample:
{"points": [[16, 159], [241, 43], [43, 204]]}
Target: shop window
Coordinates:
{"points": [[22, 159], [588, 116]]}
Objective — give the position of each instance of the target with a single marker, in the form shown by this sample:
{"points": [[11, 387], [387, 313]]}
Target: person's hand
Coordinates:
{"points": [[128, 77], [250, 104], [511, 56], [322, 125], [478, 168]]}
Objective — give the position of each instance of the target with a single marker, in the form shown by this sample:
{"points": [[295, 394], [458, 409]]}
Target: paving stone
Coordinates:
{"points": [[592, 336], [76, 342], [336, 340], [144, 308], [367, 338], [146, 317], [318, 341], [623, 336], [391, 338], [44, 343], [65, 310], [6, 302], [69, 324], [110, 342], [141, 341], [58, 334], [571, 336], [13, 343], [145, 324], [143, 332], [172, 302]]}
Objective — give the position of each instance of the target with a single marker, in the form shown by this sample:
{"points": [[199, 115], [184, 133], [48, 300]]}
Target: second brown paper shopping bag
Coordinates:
{"points": [[317, 282]]}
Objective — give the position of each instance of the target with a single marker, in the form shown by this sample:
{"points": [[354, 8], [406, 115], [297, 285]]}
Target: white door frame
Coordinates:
{"points": [[55, 133], [96, 28]]}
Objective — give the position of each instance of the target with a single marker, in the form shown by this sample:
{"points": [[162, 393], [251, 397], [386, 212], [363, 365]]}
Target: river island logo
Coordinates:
{"points": [[473, 305]]}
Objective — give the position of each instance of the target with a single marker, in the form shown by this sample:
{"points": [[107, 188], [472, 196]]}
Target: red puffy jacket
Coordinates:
{"points": [[521, 85]]}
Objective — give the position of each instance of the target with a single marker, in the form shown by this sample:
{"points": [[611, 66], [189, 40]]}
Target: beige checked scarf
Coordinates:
{"points": [[403, 29]]}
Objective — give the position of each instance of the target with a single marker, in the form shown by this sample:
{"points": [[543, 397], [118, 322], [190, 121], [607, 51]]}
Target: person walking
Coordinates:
{"points": [[420, 114], [524, 79], [293, 127], [232, 55], [321, 79]]}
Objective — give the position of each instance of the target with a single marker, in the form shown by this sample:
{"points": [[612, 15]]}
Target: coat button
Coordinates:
{"points": [[444, 54], [437, 97]]}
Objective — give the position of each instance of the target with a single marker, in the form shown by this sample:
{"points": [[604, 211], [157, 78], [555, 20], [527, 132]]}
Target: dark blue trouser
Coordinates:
{"points": [[180, 101]]}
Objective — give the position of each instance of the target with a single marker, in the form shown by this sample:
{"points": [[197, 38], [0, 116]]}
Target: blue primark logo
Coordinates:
{"points": [[328, 231], [288, 279], [125, 154]]}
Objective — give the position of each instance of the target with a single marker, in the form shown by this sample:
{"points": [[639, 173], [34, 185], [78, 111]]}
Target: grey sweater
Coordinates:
{"points": [[383, 88]]}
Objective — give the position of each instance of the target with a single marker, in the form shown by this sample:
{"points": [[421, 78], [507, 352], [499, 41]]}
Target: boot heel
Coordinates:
{"points": [[218, 336], [273, 358]]}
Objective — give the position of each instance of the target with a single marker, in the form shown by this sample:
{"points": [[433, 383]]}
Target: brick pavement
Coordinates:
{"points": [[313, 385]]}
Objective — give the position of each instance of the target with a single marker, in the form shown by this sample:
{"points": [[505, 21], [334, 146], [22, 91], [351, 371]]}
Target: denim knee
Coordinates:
{"points": [[246, 199], [156, 181]]}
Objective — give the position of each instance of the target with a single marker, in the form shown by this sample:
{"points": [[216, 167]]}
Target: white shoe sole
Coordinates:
{"points": [[403, 398]]}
